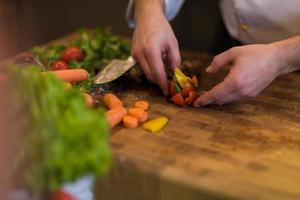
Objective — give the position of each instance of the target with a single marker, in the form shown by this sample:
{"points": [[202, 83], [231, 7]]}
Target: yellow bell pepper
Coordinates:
{"points": [[155, 124], [181, 78]]}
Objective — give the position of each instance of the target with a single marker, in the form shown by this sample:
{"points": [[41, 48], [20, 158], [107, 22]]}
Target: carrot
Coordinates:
{"points": [[195, 81], [144, 117], [130, 122], [136, 112], [142, 104], [70, 75], [115, 116], [186, 90], [178, 99], [88, 99], [112, 101]]}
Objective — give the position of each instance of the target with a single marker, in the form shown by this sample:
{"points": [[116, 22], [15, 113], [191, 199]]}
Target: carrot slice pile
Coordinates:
{"points": [[136, 112], [142, 104], [144, 117], [115, 116], [112, 101], [130, 122]]}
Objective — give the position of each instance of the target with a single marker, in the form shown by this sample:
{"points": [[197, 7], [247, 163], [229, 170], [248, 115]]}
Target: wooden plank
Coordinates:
{"points": [[246, 150]]}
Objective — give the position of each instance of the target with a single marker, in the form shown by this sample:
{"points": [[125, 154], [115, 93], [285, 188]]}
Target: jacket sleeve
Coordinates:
{"points": [[172, 7]]}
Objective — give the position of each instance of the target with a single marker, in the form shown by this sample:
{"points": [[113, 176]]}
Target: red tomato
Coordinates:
{"points": [[72, 53], [61, 195], [191, 98], [178, 99], [59, 65], [195, 81], [187, 89]]}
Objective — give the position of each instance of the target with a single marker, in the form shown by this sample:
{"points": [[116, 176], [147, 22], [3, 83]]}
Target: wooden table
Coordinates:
{"points": [[246, 150]]}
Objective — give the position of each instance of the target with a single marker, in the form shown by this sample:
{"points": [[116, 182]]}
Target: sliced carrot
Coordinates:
{"points": [[186, 90], [136, 112], [191, 98], [70, 75], [88, 100], [144, 117], [142, 104], [195, 81], [130, 121], [178, 99], [115, 116], [112, 101]]}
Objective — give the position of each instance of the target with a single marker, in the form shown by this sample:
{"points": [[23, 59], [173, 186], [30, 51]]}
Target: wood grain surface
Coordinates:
{"points": [[246, 150]]}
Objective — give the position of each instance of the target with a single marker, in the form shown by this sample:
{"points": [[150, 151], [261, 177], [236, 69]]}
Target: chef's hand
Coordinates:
{"points": [[153, 42], [253, 67]]}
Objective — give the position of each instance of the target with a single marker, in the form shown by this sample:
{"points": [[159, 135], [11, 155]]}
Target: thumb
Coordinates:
{"points": [[220, 61]]}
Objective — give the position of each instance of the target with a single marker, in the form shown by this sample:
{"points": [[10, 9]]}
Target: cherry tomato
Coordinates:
{"points": [[72, 53], [61, 195], [178, 99], [191, 98], [187, 89], [59, 65], [195, 81]]}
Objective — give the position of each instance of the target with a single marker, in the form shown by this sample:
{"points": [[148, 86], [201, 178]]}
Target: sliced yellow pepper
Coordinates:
{"points": [[181, 78], [155, 124]]}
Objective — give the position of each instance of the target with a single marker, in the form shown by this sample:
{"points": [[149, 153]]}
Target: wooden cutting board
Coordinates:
{"points": [[246, 150]]}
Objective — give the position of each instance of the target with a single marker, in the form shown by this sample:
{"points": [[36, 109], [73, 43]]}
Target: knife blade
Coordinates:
{"points": [[114, 70]]}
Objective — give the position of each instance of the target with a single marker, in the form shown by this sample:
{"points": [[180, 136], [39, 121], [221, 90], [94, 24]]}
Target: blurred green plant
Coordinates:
{"points": [[64, 139]]}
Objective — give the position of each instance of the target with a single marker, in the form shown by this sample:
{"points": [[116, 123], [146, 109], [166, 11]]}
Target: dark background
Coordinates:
{"points": [[25, 23]]}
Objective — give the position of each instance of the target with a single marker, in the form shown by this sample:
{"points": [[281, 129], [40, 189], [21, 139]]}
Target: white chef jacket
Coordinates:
{"points": [[249, 21]]}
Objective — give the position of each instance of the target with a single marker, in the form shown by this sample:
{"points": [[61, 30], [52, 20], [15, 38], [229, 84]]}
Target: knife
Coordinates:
{"points": [[114, 70]]}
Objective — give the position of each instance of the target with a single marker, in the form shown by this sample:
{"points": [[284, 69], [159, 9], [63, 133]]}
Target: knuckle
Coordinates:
{"points": [[237, 84], [150, 47], [233, 51], [136, 53], [244, 92], [216, 61]]}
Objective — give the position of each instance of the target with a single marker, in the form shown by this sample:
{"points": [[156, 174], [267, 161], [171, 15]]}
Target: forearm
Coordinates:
{"points": [[288, 54], [145, 8]]}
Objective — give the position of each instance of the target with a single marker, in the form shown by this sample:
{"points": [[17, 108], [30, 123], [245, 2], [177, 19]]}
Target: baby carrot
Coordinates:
{"points": [[130, 122], [142, 104], [144, 117], [136, 112], [71, 75], [88, 99], [112, 101], [115, 116]]}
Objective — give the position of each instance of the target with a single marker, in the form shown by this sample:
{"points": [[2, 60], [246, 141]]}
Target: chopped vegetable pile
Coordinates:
{"points": [[94, 49], [183, 89]]}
